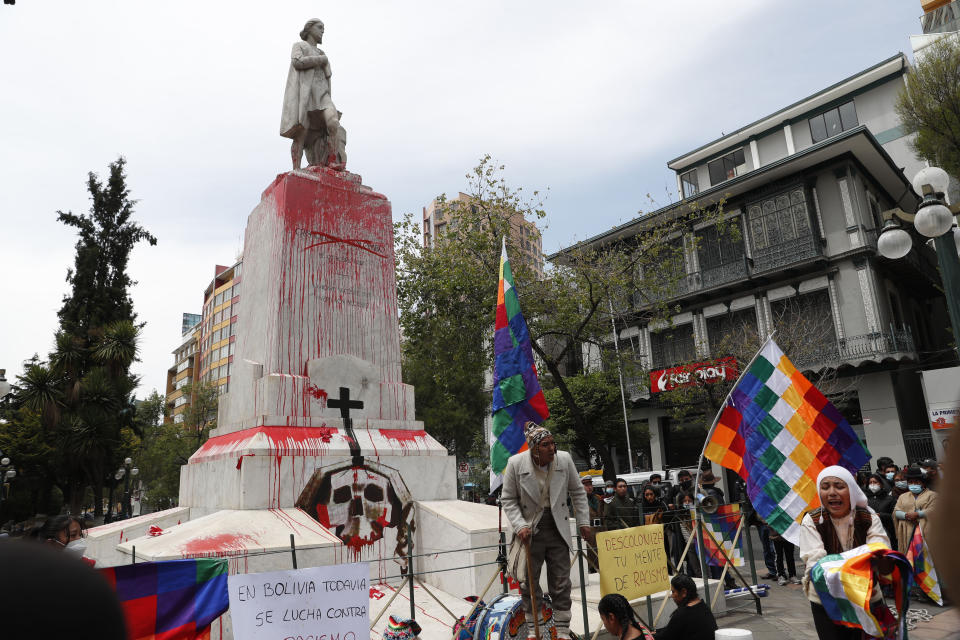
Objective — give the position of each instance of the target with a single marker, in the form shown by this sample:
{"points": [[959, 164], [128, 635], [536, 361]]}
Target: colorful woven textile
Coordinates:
{"points": [[401, 629], [517, 397], [777, 431], [722, 526], [923, 572], [175, 600], [845, 583]]}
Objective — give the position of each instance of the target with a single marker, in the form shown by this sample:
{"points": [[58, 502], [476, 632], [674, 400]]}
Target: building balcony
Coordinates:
{"points": [[942, 19], [730, 272], [764, 261], [856, 350], [778, 256]]}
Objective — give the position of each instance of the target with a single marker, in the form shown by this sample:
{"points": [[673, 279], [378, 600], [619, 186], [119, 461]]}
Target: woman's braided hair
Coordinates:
{"points": [[620, 608], [683, 581]]}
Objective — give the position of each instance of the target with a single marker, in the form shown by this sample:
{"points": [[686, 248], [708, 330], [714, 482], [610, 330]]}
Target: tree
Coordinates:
{"points": [[803, 329], [84, 393], [447, 297], [929, 105], [166, 446], [598, 396]]}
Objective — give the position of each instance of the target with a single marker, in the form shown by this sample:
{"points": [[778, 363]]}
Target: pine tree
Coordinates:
{"points": [[85, 391]]}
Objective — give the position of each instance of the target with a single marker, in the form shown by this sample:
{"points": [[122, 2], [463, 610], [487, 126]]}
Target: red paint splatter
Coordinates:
{"points": [[322, 515], [220, 543], [404, 435], [317, 394]]}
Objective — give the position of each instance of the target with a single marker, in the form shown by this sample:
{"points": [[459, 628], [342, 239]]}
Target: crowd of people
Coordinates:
{"points": [[658, 503], [902, 497]]}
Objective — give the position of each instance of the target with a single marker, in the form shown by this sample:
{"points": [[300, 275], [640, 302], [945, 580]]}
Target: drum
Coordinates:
{"points": [[503, 619]]}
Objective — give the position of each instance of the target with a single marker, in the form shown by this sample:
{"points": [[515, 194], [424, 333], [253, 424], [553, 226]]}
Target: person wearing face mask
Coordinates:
{"points": [[842, 522], [913, 508], [931, 473], [880, 500], [688, 527], [684, 485], [608, 492], [888, 473], [899, 484]]}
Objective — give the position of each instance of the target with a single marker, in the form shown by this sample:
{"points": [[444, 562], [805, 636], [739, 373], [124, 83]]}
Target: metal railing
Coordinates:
{"points": [[730, 272], [584, 554], [868, 346], [783, 254], [919, 444]]}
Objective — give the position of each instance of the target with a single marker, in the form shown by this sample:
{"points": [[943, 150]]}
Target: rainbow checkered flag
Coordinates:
{"points": [[777, 432], [846, 582], [174, 600], [924, 574], [517, 397], [723, 526]]}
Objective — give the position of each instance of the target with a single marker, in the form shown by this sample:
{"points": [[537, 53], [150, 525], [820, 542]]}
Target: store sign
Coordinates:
{"points": [[944, 418], [691, 374]]}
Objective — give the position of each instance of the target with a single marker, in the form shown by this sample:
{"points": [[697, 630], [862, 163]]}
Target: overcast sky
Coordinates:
{"points": [[586, 101]]}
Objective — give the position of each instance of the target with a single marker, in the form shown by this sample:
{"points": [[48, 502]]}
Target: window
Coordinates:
{"points": [[834, 121], [780, 219], [875, 211], [728, 331], [673, 347], [716, 247], [729, 166], [688, 182]]}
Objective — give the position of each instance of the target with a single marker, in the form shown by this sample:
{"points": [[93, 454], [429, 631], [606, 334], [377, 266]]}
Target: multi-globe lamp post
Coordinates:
{"points": [[7, 472], [933, 219], [126, 472]]}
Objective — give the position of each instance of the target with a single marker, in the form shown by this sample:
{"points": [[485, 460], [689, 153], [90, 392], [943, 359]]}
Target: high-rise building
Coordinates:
{"points": [[523, 243], [217, 337], [181, 373]]}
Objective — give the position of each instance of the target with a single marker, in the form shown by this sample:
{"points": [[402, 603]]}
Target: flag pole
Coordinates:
{"points": [[716, 419]]}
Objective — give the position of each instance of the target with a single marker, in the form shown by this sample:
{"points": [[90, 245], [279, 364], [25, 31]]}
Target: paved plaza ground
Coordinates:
{"points": [[786, 611]]}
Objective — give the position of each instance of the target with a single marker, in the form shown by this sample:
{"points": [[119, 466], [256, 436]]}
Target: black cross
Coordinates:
{"points": [[344, 403]]}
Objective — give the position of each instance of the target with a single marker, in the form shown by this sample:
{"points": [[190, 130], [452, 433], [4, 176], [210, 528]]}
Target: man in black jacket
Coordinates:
{"points": [[880, 500]]}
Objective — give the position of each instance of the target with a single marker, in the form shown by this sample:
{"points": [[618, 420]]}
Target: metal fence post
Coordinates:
{"points": [[133, 555], [753, 563], [583, 587], [293, 551], [411, 574], [502, 560], [704, 569]]}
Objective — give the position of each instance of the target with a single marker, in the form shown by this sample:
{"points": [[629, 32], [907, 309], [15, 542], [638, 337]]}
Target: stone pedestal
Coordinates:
{"points": [[316, 436]]}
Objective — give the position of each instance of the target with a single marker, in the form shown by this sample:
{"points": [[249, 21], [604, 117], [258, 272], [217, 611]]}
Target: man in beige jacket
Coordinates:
{"points": [[536, 486]]}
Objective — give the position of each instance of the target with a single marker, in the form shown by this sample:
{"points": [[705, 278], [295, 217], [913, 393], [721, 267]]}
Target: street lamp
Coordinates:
{"points": [[7, 473], [933, 219], [126, 472], [5, 387]]}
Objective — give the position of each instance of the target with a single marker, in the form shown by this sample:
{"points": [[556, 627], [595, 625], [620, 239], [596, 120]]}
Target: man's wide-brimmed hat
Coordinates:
{"points": [[707, 477], [914, 473]]}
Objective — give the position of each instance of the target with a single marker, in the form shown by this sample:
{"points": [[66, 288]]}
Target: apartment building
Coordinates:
{"points": [[523, 243]]}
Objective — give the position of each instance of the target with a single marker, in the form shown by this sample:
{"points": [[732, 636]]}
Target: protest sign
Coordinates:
{"points": [[632, 561], [322, 603]]}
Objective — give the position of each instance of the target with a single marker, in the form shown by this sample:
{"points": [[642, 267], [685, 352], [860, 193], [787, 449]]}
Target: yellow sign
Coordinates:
{"points": [[633, 561]]}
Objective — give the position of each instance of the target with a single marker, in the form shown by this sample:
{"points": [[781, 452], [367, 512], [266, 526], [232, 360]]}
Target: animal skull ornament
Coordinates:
{"points": [[357, 502]]}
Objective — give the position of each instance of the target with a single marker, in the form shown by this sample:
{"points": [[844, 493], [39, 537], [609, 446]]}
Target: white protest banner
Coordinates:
{"points": [[318, 603]]}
